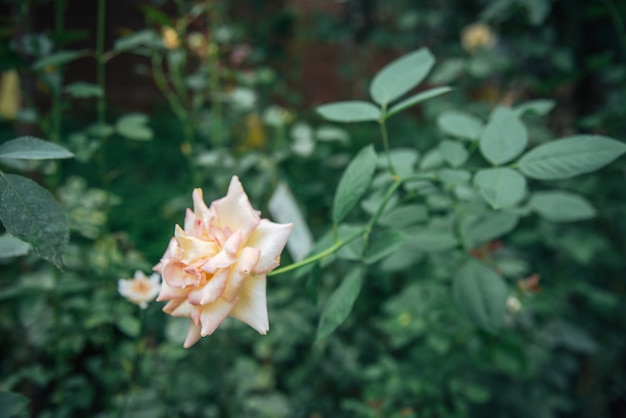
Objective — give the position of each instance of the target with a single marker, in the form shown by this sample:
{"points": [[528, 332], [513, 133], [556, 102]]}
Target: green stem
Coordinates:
{"points": [[55, 132], [618, 22], [316, 257], [214, 82], [383, 131], [132, 374], [175, 100], [364, 233], [100, 58], [368, 228]]}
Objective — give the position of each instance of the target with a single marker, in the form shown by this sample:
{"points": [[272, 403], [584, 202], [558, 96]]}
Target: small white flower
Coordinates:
{"points": [[513, 304], [140, 289]]}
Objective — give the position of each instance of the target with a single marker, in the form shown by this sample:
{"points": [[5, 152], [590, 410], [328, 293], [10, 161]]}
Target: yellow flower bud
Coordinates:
{"points": [[478, 36]]}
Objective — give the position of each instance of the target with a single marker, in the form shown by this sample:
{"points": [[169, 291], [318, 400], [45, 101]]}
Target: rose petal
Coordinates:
{"points": [[211, 291], [168, 292], [194, 248], [247, 260], [251, 307], [193, 335], [183, 309], [167, 256], [174, 274], [225, 258], [234, 210], [212, 315], [172, 305], [270, 238], [200, 209]]}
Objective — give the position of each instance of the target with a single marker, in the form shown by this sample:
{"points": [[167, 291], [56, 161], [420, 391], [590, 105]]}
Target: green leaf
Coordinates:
{"points": [[12, 247], [382, 244], [354, 182], [349, 111], [501, 187], [31, 148], [460, 124], [156, 16], [129, 325], [453, 177], [417, 99], [504, 137], [340, 303], [453, 152], [13, 404], [82, 90], [488, 226], [400, 76], [141, 38], [432, 240], [56, 59], [30, 213], [403, 216], [432, 159], [561, 206], [100, 130], [540, 107], [481, 293], [134, 126], [569, 157]]}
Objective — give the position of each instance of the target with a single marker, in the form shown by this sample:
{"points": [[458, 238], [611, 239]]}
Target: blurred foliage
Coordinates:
{"points": [[73, 347]]}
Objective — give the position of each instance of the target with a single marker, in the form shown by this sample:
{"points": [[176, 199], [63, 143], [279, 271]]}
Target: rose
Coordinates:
{"points": [[216, 265], [140, 289]]}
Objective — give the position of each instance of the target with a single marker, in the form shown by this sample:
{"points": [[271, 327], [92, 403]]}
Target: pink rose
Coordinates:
{"points": [[216, 265]]}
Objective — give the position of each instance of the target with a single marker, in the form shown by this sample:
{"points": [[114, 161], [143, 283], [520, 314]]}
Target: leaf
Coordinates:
{"points": [[432, 240], [501, 187], [100, 130], [453, 152], [569, 157], [340, 303], [156, 16], [13, 404], [417, 99], [134, 126], [134, 40], [400, 76], [31, 148], [540, 107], [82, 90], [349, 111], [561, 206], [460, 124], [56, 59], [354, 182], [129, 325], [432, 159], [481, 293], [504, 136], [453, 177], [405, 215], [382, 244], [30, 213], [12, 247], [489, 226]]}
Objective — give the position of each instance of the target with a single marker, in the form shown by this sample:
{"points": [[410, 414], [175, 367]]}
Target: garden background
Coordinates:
{"points": [[154, 98]]}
